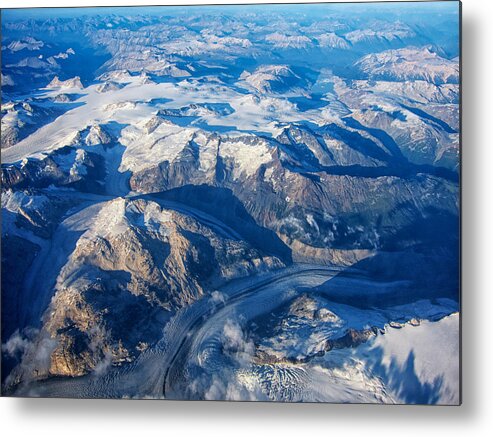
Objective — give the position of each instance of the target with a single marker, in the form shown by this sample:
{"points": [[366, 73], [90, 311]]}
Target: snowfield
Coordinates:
{"points": [[253, 203], [132, 104]]}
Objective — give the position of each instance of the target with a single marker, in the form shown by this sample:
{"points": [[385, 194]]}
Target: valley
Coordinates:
{"points": [[231, 204]]}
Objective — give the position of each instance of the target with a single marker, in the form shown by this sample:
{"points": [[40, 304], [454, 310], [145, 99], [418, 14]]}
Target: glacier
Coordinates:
{"points": [[240, 203]]}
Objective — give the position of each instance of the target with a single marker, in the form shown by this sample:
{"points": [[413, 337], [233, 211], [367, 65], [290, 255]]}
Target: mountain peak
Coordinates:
{"points": [[69, 83]]}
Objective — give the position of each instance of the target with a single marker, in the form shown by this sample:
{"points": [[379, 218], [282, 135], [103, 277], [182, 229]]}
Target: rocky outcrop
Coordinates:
{"points": [[69, 83], [20, 119], [272, 78], [322, 217], [135, 264], [66, 167], [33, 211]]}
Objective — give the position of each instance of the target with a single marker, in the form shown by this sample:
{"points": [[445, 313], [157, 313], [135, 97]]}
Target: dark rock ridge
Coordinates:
{"points": [[68, 167], [310, 198]]}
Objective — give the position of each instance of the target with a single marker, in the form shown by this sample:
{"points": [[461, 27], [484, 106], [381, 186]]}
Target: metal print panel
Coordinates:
{"points": [[250, 202]]}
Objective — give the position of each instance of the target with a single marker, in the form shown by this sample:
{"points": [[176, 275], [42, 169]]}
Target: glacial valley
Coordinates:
{"points": [[231, 204]]}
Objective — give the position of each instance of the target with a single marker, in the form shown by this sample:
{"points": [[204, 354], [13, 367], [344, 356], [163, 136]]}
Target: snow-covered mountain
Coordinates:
{"points": [[237, 203], [332, 40], [69, 83], [381, 32], [27, 43], [273, 79], [410, 64], [20, 119]]}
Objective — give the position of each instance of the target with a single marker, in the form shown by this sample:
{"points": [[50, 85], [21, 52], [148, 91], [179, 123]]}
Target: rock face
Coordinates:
{"points": [[96, 135], [205, 149], [28, 43], [134, 265], [273, 79], [21, 119], [302, 330], [69, 83], [332, 40], [303, 189], [108, 86], [31, 211], [415, 124], [67, 167]]}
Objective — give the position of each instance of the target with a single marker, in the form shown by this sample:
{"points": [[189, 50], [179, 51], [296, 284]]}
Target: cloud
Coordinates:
{"points": [[226, 371], [231, 386], [312, 222], [16, 345], [236, 344], [104, 365], [217, 297], [42, 354], [32, 348]]}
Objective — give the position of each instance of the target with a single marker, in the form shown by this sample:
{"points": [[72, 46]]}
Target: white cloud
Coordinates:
{"points": [[15, 345], [217, 297], [236, 344]]}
